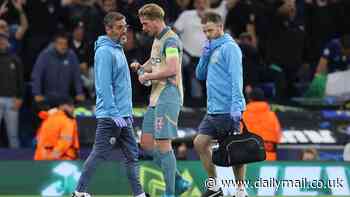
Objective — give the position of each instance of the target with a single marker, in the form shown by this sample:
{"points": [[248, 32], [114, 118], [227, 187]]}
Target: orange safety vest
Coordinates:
{"points": [[263, 122], [57, 138]]}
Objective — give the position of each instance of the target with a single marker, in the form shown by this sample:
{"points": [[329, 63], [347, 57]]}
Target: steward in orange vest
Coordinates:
{"points": [[262, 121], [57, 137]]}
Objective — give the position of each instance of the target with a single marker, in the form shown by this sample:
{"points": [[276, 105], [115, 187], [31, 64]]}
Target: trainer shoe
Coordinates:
{"points": [[181, 185], [80, 194], [240, 193], [211, 193]]}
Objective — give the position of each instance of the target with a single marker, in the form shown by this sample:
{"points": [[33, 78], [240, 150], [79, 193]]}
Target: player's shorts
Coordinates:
{"points": [[215, 125], [161, 120]]}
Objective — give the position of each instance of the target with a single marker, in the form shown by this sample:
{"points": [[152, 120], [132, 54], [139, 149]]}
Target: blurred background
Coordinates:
{"points": [[296, 60]]}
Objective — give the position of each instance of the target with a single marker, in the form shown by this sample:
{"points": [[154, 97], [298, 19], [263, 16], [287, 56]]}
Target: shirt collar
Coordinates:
{"points": [[164, 31]]}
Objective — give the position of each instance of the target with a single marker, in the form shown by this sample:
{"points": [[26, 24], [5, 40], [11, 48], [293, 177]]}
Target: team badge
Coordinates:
{"points": [[112, 140], [159, 123]]}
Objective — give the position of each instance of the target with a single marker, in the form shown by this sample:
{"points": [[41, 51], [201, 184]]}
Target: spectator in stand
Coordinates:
{"points": [[309, 154], [56, 72], [183, 5], [246, 16], [45, 21], [80, 44], [251, 62], [132, 50], [222, 7], [103, 7], [14, 31], [57, 137], [130, 10], [177, 8], [320, 26], [81, 47], [262, 121], [286, 29], [189, 27], [335, 56], [79, 10], [134, 53], [11, 90], [109, 6]]}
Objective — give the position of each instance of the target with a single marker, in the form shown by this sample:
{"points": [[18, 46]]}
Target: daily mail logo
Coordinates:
{"points": [[322, 136]]}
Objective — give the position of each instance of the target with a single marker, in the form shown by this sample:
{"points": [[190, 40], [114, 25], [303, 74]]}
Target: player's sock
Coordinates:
{"points": [[156, 159], [155, 153], [168, 166]]}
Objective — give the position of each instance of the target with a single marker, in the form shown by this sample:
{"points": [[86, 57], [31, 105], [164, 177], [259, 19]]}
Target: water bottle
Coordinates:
{"points": [[141, 71]]}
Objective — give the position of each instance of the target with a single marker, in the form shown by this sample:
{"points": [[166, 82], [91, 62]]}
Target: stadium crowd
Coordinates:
{"points": [[46, 48]]}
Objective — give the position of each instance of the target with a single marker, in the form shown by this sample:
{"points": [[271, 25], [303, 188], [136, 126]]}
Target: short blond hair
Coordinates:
{"points": [[151, 11], [211, 16]]}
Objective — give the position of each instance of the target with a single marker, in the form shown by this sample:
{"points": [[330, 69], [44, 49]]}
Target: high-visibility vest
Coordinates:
{"points": [[263, 122], [57, 138]]}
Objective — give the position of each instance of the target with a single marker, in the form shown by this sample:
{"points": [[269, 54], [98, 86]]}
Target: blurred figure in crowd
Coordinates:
{"points": [[81, 10], [309, 154], [188, 25], [134, 53], [335, 56], [57, 137], [320, 26], [251, 62], [81, 47], [56, 72], [286, 28], [11, 90], [14, 31], [45, 21]]}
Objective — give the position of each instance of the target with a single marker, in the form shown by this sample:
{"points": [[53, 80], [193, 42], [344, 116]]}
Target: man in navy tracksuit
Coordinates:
{"points": [[113, 106], [221, 66], [56, 72]]}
